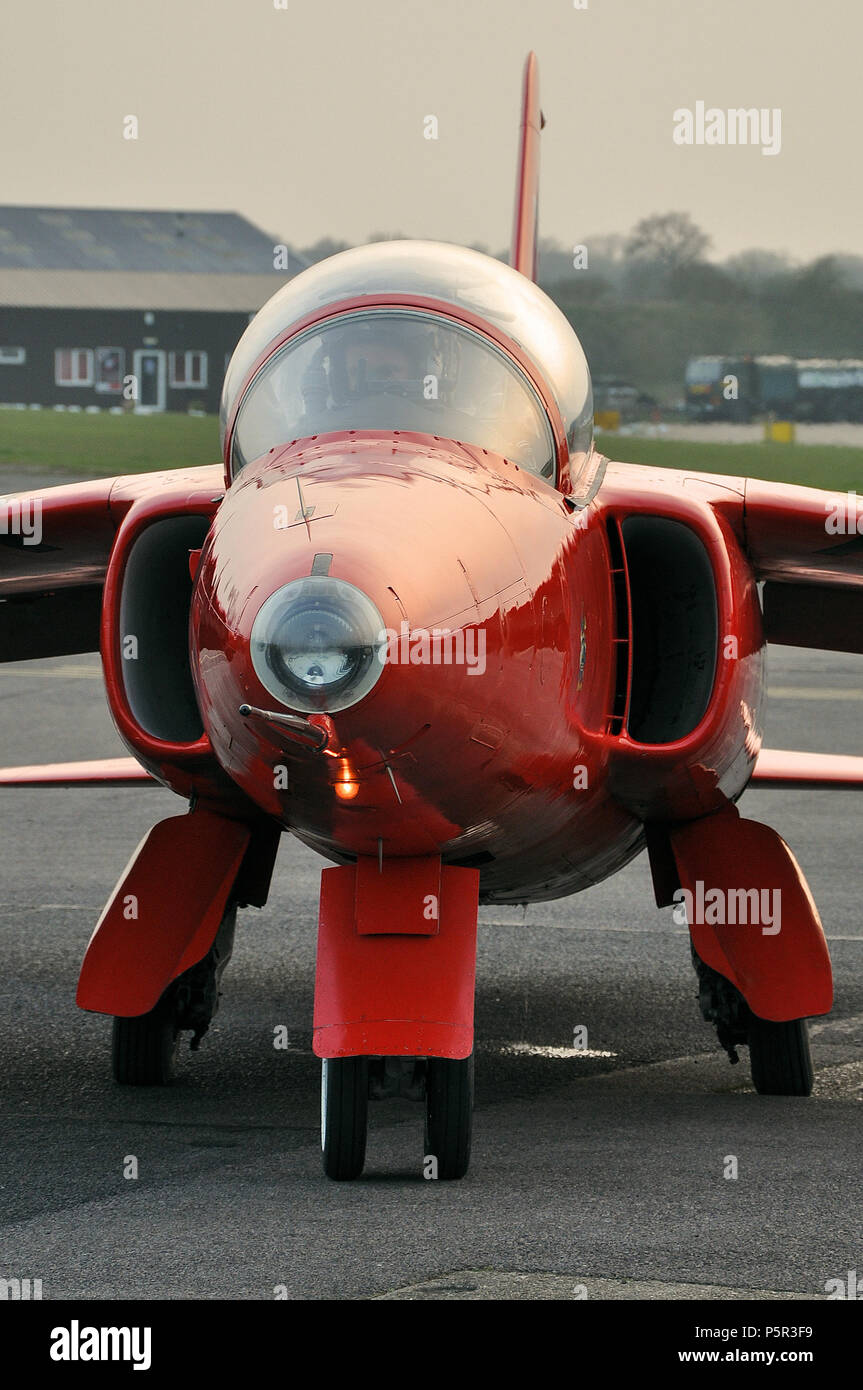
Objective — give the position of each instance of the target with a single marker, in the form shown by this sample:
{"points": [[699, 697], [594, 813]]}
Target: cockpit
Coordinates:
{"points": [[375, 365], [395, 370]]}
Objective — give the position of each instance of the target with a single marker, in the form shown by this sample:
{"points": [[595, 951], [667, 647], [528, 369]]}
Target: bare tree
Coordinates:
{"points": [[326, 246], [669, 239], [756, 267]]}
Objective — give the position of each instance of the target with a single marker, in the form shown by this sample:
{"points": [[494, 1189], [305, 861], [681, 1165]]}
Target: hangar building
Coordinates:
{"points": [[91, 299]]}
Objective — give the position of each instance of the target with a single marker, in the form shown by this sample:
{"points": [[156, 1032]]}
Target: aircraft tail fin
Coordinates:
{"points": [[523, 254]]}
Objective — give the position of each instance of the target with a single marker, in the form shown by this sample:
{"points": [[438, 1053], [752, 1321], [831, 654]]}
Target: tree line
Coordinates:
{"points": [[645, 302]]}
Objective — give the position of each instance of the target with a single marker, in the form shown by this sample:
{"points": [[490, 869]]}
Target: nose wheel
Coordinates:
{"points": [[445, 1087]]}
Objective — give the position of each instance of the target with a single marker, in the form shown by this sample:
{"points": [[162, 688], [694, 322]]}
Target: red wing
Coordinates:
{"points": [[100, 772], [777, 767], [55, 545], [805, 544], [808, 547], [54, 551]]}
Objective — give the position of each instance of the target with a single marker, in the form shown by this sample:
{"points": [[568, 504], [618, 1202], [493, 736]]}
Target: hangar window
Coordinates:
{"points": [[109, 369], [73, 366], [188, 369], [12, 356]]}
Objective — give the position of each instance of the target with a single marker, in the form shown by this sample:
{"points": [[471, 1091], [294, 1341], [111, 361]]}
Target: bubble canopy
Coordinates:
{"points": [[456, 276], [395, 369]]}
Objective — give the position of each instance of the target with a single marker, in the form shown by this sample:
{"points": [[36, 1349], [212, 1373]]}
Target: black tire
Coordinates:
{"points": [[779, 1057], [143, 1048], [344, 1116], [449, 1115]]}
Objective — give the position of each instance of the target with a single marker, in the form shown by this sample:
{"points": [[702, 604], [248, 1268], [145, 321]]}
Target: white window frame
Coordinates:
{"points": [[104, 386], [201, 383], [137, 356], [74, 381], [12, 356]]}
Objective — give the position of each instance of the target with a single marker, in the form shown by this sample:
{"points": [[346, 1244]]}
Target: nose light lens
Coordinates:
{"points": [[318, 644]]}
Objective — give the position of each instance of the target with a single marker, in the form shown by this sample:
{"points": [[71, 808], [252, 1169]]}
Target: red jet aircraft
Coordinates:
{"points": [[418, 621]]}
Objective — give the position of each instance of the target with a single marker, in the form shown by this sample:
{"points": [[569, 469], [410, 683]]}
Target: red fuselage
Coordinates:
{"points": [[509, 759]]}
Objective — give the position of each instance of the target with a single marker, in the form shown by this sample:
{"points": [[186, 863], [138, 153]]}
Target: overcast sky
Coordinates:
{"points": [[309, 120]]}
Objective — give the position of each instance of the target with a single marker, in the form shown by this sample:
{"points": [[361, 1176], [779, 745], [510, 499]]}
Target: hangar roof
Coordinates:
{"points": [[113, 289], [123, 239]]}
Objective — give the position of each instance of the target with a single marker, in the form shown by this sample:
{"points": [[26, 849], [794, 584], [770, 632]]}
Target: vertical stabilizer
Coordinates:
{"points": [[523, 255]]}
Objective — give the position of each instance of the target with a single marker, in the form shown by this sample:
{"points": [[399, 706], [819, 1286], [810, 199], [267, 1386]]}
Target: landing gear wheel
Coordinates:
{"points": [[449, 1114], [780, 1058], [344, 1116], [143, 1048]]}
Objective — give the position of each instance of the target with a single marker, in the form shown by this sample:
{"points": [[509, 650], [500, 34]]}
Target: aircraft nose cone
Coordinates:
{"points": [[361, 581]]}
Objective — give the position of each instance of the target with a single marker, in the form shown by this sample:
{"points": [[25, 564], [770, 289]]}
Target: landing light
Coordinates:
{"points": [[318, 644]]}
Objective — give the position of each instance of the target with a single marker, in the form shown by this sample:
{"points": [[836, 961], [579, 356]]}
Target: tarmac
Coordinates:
{"points": [[598, 1174]]}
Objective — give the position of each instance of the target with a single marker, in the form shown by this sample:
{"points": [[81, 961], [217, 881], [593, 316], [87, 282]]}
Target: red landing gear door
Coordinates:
{"points": [[751, 915], [401, 897], [163, 916], [403, 991]]}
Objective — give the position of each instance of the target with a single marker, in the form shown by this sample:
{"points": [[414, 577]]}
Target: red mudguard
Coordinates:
{"points": [[396, 960], [777, 959], [163, 916]]}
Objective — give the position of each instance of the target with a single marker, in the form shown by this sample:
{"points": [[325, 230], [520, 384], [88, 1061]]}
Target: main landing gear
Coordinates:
{"points": [[144, 1048], [779, 1055], [446, 1087]]}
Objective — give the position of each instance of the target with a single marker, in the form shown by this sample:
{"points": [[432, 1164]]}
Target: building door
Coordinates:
{"points": [[149, 368]]}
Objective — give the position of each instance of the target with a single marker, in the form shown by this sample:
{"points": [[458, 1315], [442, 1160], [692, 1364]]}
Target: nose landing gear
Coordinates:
{"points": [[394, 996], [446, 1087]]}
